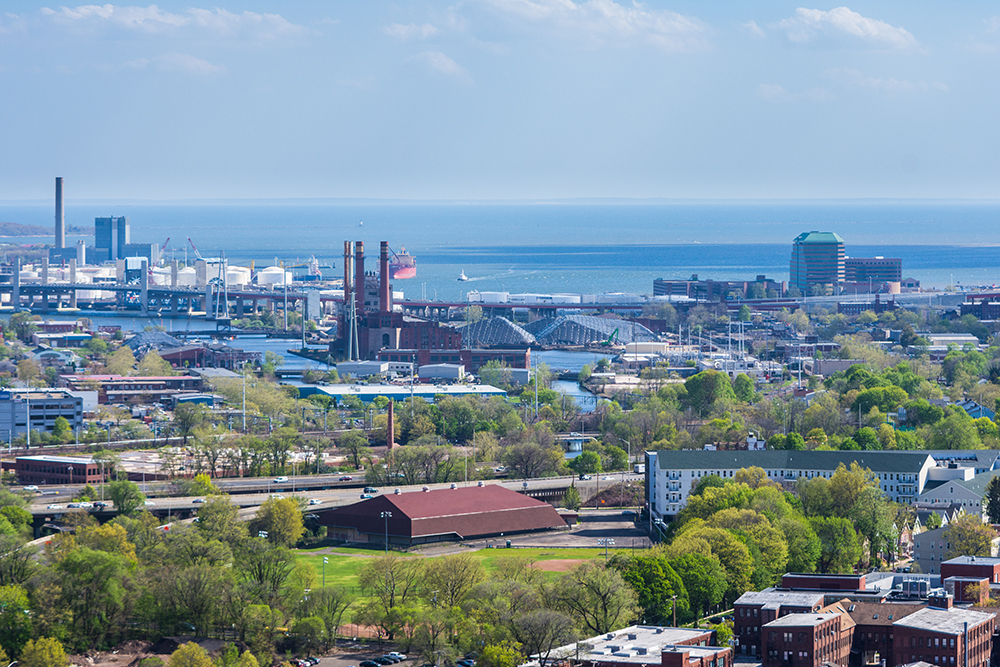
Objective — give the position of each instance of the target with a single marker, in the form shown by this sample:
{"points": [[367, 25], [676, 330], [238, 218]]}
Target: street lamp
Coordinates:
{"points": [[606, 542], [387, 515]]}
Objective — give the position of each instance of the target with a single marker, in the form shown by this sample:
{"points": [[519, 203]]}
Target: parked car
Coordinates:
{"points": [[396, 654], [315, 501], [629, 513], [345, 478], [368, 663]]}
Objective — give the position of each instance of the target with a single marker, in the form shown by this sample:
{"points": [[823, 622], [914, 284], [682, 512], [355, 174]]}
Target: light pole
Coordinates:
{"points": [[386, 515], [674, 606], [325, 561], [605, 542]]}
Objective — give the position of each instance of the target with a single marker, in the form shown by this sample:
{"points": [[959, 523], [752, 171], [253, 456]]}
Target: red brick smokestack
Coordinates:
{"points": [[390, 428], [384, 294], [359, 276], [347, 273]]}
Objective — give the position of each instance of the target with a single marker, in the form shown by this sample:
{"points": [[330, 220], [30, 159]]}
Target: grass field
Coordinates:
{"points": [[342, 570]]}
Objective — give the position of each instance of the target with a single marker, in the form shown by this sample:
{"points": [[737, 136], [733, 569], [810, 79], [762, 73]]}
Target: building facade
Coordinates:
{"points": [[874, 269], [817, 262], [755, 609], [949, 637], [111, 235], [42, 408], [57, 470], [809, 640]]}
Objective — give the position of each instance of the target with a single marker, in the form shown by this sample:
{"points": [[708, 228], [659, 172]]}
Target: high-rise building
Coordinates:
{"points": [[817, 264], [111, 235]]}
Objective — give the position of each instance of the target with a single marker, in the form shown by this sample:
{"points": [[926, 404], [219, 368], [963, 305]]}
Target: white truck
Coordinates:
{"points": [[640, 468]]}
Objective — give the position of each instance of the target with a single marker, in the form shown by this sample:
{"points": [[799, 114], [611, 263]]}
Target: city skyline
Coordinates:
{"points": [[499, 100]]}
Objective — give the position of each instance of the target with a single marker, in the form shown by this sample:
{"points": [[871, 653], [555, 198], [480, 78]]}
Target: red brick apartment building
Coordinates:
{"points": [[873, 632], [754, 609], [810, 640], [980, 567], [944, 635]]}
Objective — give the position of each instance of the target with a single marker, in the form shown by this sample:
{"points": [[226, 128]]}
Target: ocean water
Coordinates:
{"points": [[581, 247]]}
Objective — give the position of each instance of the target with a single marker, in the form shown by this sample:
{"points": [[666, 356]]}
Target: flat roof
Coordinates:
{"points": [[627, 645], [773, 599], [771, 459], [402, 392], [973, 560], [799, 620], [947, 621], [57, 459]]}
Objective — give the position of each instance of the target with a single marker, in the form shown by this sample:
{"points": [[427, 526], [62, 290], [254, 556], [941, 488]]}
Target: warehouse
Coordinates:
{"points": [[418, 517]]}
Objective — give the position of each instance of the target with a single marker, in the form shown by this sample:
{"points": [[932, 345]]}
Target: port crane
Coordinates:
{"points": [[195, 248], [163, 250]]}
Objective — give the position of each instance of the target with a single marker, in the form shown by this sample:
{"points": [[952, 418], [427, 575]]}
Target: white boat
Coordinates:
{"points": [[462, 277]]}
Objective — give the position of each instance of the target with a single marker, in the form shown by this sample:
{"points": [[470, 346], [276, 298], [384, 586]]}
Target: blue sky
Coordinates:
{"points": [[500, 99]]}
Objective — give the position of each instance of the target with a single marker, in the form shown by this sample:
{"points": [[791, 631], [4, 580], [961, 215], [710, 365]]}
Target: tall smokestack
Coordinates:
{"points": [[60, 215], [384, 294], [347, 273], [359, 276], [390, 428]]}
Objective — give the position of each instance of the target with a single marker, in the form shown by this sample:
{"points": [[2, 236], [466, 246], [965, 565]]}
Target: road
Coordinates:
{"points": [[328, 497]]}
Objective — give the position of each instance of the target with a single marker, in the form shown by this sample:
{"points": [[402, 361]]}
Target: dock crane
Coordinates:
{"points": [[163, 250], [195, 248]]}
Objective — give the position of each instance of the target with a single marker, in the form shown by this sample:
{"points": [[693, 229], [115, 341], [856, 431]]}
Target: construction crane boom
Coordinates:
{"points": [[195, 248]]}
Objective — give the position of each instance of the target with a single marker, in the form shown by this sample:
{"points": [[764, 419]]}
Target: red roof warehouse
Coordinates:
{"points": [[444, 514]]}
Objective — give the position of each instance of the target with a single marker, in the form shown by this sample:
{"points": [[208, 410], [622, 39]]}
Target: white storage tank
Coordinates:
{"points": [[273, 275], [161, 275], [187, 277], [237, 275]]}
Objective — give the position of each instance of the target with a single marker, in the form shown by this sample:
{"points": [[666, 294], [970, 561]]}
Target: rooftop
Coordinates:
{"points": [[881, 613], [57, 459], [951, 621], [973, 560], [639, 644], [890, 461], [818, 237], [772, 599], [799, 620]]}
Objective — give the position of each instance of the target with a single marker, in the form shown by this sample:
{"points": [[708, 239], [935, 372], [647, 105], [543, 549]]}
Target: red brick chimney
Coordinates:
{"points": [[674, 657], [390, 428]]}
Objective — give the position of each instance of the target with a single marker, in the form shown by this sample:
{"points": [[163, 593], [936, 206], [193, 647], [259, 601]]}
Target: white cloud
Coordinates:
{"points": [[607, 21], [410, 31], [177, 62], [152, 19], [808, 24], [993, 24], [754, 29], [442, 64], [853, 77], [982, 48], [777, 94]]}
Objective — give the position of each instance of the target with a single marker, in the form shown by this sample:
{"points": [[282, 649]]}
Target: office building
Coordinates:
{"points": [[817, 265], [111, 235], [58, 470], [874, 269], [42, 407]]}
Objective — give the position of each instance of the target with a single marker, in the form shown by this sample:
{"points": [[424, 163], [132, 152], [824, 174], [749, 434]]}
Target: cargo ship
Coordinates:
{"points": [[403, 265]]}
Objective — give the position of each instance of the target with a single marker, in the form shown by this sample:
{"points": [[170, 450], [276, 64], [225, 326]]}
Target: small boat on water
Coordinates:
{"points": [[462, 277]]}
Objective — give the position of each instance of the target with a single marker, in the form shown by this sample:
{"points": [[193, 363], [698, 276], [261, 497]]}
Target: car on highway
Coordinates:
{"points": [[54, 507], [148, 503], [73, 505], [31, 487], [607, 478], [585, 477], [345, 478], [280, 480], [99, 505], [366, 496], [315, 501], [198, 500], [370, 489]]}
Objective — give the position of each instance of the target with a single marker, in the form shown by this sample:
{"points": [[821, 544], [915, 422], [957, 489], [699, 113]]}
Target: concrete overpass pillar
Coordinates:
{"points": [[72, 281], [45, 271], [144, 285], [239, 306], [173, 274]]}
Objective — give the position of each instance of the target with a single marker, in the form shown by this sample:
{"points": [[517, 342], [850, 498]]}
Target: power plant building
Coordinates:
{"points": [[111, 236], [817, 265]]}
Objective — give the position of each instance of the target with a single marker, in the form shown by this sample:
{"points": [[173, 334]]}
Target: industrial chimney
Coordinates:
{"points": [[347, 273], [359, 276], [384, 293], [60, 215]]}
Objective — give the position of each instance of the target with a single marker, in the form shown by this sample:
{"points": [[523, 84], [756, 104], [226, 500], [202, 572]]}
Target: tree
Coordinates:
{"points": [[126, 496], [328, 603], [597, 597], [873, 517], [586, 463], [121, 361], [571, 499], [743, 388], [15, 622], [704, 580], [449, 579], [391, 579], [218, 519], [993, 500], [846, 487], [933, 521], [281, 518], [311, 633], [839, 548], [188, 417], [153, 365], [655, 583], [967, 535], [46, 652], [541, 631], [706, 389], [503, 654], [189, 655]]}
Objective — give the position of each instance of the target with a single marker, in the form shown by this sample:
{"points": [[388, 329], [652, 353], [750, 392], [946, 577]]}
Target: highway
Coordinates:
{"points": [[327, 497]]}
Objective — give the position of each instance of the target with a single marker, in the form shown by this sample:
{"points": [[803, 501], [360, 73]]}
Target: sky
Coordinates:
{"points": [[500, 100]]}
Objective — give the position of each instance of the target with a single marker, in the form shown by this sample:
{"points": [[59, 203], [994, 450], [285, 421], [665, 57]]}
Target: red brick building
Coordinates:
{"points": [[696, 656], [949, 637], [57, 470], [643, 646], [873, 635], [820, 638], [754, 609], [823, 582], [980, 567]]}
